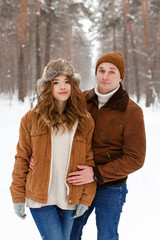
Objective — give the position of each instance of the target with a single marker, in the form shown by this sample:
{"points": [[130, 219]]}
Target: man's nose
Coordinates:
{"points": [[105, 76]]}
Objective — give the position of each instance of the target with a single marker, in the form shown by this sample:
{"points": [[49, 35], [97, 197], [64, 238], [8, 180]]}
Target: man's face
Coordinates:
{"points": [[108, 77]]}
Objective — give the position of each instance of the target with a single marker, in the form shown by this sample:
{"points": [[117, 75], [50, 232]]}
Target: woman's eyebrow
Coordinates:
{"points": [[55, 79]]}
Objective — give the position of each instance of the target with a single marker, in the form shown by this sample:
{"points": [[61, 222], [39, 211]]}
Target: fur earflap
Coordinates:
{"points": [[40, 86], [76, 79]]}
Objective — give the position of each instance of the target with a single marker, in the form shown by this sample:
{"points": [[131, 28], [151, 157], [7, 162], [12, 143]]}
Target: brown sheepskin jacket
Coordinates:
{"points": [[119, 142], [34, 184]]}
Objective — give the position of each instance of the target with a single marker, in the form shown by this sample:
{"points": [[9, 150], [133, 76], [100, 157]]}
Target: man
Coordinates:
{"points": [[118, 144]]}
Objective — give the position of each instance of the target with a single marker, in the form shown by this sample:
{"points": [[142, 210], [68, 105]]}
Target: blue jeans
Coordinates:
{"points": [[108, 203], [52, 222]]}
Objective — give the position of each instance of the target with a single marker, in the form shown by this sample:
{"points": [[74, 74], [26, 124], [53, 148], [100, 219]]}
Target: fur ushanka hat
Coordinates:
{"points": [[56, 68]]}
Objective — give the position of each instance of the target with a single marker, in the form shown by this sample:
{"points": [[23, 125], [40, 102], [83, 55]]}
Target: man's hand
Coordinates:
{"points": [[31, 164], [84, 176]]}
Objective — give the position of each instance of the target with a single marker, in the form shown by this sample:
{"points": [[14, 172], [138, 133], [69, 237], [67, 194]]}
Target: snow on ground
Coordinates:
{"points": [[141, 213]]}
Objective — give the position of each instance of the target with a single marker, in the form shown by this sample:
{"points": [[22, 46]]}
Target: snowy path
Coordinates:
{"points": [[141, 213]]}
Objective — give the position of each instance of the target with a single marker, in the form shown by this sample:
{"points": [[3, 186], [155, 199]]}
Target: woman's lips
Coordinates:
{"points": [[62, 93]]}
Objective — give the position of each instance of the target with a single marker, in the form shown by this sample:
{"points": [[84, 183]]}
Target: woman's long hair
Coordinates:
{"points": [[46, 112]]}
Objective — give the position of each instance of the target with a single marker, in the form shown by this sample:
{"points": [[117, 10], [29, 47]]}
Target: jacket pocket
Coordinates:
{"points": [[77, 191], [39, 141], [29, 184], [107, 127], [81, 138], [80, 149], [38, 132]]}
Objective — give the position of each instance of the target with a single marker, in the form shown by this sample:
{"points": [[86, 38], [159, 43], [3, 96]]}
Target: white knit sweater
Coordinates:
{"points": [[60, 156]]}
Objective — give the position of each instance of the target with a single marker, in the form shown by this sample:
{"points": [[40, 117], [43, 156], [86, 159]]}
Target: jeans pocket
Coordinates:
{"points": [[111, 196], [116, 187]]}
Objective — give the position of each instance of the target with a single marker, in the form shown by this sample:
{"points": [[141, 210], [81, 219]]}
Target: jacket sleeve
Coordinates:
{"points": [[89, 189], [22, 158], [133, 152]]}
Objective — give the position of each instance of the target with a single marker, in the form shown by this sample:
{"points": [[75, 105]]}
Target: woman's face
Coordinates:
{"points": [[61, 88]]}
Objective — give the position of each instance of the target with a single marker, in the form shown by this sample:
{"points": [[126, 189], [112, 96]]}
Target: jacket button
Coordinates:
{"points": [[70, 201], [36, 132]]}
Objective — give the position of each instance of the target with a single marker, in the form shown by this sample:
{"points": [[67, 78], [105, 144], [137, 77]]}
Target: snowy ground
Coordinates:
{"points": [[141, 213]]}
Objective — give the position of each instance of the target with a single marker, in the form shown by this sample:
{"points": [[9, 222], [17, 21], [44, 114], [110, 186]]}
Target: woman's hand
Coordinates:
{"points": [[84, 176], [81, 209], [19, 209]]}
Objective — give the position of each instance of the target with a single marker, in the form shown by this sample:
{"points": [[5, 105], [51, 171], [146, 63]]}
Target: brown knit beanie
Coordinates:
{"points": [[115, 58], [56, 68]]}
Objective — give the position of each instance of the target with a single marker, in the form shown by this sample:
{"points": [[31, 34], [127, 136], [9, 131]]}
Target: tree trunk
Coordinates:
{"points": [[114, 27], [48, 33], [133, 47], [38, 50], [22, 63], [125, 43], [147, 64], [17, 40], [70, 37]]}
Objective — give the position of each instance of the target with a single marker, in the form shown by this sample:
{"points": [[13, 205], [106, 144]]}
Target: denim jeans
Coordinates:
{"points": [[52, 222], [108, 203]]}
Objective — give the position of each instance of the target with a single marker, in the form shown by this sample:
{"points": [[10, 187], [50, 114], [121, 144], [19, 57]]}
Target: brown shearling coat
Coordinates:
{"points": [[119, 142], [34, 184]]}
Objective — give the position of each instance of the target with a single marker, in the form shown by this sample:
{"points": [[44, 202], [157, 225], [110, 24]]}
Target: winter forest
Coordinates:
{"points": [[33, 32]]}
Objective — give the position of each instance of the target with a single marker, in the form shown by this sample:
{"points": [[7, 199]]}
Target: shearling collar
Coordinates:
{"points": [[118, 101]]}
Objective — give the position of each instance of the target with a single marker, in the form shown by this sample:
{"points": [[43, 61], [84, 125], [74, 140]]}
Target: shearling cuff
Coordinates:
{"points": [[98, 175]]}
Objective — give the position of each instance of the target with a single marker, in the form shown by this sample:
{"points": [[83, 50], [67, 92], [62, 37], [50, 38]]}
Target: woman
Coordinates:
{"points": [[58, 132]]}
